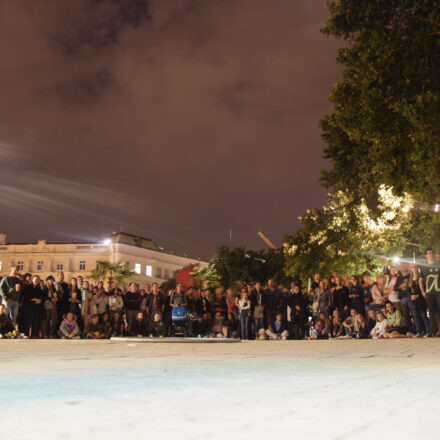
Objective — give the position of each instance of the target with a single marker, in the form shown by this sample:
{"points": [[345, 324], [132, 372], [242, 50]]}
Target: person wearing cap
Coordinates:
{"points": [[10, 290]]}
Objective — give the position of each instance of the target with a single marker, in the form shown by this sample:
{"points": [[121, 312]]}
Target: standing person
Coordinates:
{"points": [[273, 300], [74, 297], [321, 300], [244, 305], [430, 288], [88, 309], [419, 313], [407, 307], [101, 301], [391, 290], [257, 308], [11, 291], [132, 302], [115, 302], [356, 295], [155, 302], [219, 303], [378, 293], [295, 312], [63, 304], [178, 297], [33, 308], [232, 303], [341, 299], [50, 306]]}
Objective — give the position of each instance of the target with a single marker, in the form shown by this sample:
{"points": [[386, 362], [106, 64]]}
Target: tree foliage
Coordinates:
{"points": [[235, 266], [119, 272], [384, 128], [344, 236]]}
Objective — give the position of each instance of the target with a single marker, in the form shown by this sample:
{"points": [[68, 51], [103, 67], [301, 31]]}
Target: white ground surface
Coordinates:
{"points": [[251, 390]]}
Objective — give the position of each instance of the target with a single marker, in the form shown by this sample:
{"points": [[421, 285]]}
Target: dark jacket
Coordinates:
{"points": [[156, 328], [132, 300], [273, 299], [139, 327], [340, 298], [6, 325], [155, 302]]}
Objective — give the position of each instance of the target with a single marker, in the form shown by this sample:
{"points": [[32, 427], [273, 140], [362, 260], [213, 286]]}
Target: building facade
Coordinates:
{"points": [[150, 262]]}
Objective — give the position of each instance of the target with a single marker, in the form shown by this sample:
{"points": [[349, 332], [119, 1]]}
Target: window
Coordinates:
{"points": [[167, 273], [20, 265], [148, 270], [158, 272], [59, 265], [82, 265], [39, 265], [137, 268]]}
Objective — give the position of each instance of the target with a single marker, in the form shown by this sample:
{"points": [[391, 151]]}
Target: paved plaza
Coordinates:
{"points": [[335, 389]]}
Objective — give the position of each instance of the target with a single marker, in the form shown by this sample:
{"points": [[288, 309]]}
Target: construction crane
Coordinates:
{"points": [[266, 240]]}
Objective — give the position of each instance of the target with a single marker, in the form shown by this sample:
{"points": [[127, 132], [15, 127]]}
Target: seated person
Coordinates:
{"points": [[321, 327], [156, 327], [94, 328], [278, 330], [233, 326], [219, 326], [351, 324], [7, 329], [381, 326], [202, 326], [396, 323], [139, 327], [336, 327], [362, 330], [371, 321], [69, 328], [105, 322], [116, 325]]}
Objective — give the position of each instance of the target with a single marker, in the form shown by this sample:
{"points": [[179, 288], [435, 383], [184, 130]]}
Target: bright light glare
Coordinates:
{"points": [[107, 242], [396, 260]]}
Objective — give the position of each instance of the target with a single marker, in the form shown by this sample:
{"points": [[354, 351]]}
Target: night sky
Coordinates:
{"points": [[178, 119]]}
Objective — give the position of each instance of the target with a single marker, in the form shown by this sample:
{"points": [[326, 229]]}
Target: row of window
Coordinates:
{"points": [[82, 266], [149, 271], [40, 265]]}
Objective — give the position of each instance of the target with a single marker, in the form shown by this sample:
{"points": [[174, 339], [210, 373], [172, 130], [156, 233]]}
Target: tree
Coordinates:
{"points": [[384, 128], [236, 266], [112, 272], [343, 236]]}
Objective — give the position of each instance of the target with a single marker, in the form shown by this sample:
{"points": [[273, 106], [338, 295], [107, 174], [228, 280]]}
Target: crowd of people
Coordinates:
{"points": [[403, 301]]}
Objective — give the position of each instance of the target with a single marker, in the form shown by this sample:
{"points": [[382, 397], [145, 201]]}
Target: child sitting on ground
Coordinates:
{"points": [[94, 328], [381, 326], [156, 328], [69, 328]]}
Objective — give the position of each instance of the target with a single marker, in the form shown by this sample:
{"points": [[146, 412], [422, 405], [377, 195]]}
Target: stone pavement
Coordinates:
{"points": [[339, 389]]}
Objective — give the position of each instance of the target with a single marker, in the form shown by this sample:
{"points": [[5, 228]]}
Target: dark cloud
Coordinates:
{"points": [[202, 115]]}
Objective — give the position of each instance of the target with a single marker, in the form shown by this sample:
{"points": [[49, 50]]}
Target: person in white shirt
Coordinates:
{"points": [[244, 305]]}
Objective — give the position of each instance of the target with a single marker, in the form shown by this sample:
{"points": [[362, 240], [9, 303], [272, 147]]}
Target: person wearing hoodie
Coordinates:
{"points": [[69, 328], [10, 290]]}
